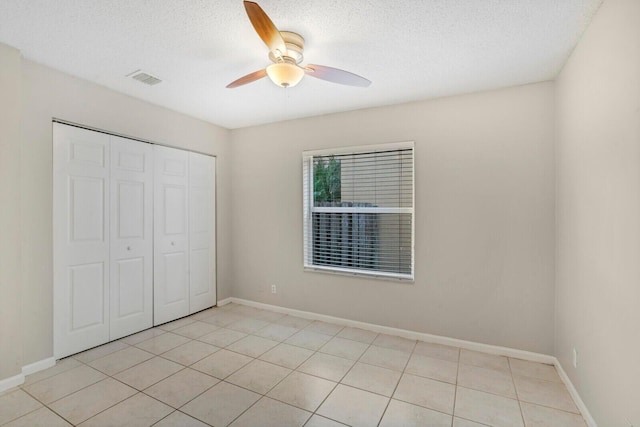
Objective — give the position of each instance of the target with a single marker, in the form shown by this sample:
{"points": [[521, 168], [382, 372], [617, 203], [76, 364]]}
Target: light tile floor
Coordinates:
{"points": [[242, 366]]}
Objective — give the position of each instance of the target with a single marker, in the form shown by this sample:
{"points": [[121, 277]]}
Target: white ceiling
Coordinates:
{"points": [[410, 49]]}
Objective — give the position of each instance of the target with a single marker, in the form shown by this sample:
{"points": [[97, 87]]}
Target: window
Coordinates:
{"points": [[358, 210]]}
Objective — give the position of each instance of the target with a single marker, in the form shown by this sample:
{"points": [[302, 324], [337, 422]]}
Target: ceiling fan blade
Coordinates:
{"points": [[256, 75], [265, 28], [336, 75]]}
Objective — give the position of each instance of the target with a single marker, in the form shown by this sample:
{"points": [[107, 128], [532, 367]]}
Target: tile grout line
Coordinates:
{"points": [[516, 390], [455, 390], [413, 349]]}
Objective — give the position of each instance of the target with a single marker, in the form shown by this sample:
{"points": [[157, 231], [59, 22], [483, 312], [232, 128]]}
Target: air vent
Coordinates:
{"points": [[145, 78]]}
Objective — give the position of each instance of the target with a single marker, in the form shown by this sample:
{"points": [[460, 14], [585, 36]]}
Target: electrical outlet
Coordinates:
{"points": [[273, 289], [575, 358]]}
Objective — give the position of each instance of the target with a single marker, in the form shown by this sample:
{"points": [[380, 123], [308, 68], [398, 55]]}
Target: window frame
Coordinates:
{"points": [[308, 209]]}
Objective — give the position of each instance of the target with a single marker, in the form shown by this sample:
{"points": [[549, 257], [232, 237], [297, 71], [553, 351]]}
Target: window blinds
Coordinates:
{"points": [[359, 210]]}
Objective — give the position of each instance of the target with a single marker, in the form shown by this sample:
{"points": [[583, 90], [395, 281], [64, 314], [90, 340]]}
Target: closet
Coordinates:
{"points": [[134, 236]]}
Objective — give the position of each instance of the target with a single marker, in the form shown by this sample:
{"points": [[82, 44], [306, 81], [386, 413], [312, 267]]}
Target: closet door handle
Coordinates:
{"points": [[173, 243], [128, 248]]}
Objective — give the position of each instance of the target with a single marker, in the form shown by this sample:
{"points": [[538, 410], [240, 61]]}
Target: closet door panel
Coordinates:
{"points": [[81, 239], [131, 217], [171, 234], [202, 222]]}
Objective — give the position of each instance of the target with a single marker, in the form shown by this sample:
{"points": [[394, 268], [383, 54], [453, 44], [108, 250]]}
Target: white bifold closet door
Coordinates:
{"points": [[81, 239], [134, 236], [184, 233], [171, 234], [202, 232], [131, 252]]}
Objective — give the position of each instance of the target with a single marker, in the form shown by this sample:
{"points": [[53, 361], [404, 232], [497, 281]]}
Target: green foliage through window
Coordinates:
{"points": [[326, 179]]}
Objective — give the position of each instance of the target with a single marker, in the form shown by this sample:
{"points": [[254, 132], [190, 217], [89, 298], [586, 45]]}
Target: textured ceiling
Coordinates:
{"points": [[410, 49]]}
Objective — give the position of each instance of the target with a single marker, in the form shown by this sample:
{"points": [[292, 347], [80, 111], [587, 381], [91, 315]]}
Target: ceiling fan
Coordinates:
{"points": [[285, 51]]}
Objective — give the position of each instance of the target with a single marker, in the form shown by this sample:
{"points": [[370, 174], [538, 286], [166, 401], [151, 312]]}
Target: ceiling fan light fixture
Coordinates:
{"points": [[285, 74]]}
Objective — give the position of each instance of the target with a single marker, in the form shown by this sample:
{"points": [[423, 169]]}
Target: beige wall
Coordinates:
{"points": [[484, 173], [10, 152], [47, 94], [598, 215]]}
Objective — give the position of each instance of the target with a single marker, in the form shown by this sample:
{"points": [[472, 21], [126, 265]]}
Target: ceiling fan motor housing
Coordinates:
{"points": [[295, 48]]}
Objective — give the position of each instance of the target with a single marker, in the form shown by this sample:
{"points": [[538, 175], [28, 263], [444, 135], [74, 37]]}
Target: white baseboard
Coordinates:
{"points": [[32, 368], [38, 366], [224, 302], [574, 394], [436, 339], [11, 382]]}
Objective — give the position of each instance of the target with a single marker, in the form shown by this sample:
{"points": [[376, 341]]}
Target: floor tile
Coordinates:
{"points": [[546, 393], [461, 422], [524, 368], [357, 334], [223, 318], [221, 404], [408, 415], [195, 329], [287, 355], [259, 376], [540, 416], [326, 366], [437, 351], [204, 314], [268, 316], [354, 407], [372, 378], [308, 339], [170, 326], [120, 360], [385, 357], [429, 367], [343, 347], [394, 342], [276, 332], [181, 387], [425, 392], [252, 346], [86, 403], [142, 336], [318, 421], [487, 408], [98, 352], [484, 360], [419, 376], [271, 413], [248, 325], [178, 419], [162, 343], [488, 380], [139, 410], [222, 337], [294, 322], [302, 390], [189, 353], [58, 386], [324, 328], [16, 404], [222, 363], [247, 311], [60, 366], [43, 417], [148, 373]]}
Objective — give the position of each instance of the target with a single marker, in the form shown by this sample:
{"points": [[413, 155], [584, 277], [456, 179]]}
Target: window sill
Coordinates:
{"points": [[353, 273]]}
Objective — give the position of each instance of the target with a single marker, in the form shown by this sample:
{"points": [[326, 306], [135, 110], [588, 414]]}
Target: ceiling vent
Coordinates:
{"points": [[145, 78]]}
